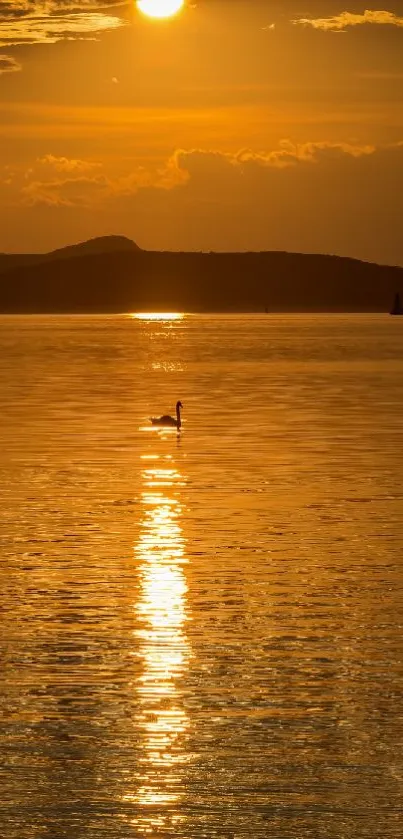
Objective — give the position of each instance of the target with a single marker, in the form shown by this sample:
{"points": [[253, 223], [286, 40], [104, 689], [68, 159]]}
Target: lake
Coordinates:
{"points": [[201, 633]]}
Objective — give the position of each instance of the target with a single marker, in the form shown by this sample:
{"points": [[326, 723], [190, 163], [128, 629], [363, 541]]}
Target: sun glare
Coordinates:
{"points": [[157, 315], [160, 8]]}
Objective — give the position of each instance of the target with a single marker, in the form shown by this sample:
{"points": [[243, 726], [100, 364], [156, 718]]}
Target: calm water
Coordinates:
{"points": [[201, 635]]}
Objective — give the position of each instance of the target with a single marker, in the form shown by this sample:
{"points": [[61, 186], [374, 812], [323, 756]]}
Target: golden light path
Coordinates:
{"points": [[160, 8], [161, 611], [157, 315]]}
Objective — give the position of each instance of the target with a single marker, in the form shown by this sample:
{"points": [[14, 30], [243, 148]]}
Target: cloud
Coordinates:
{"points": [[288, 155], [70, 192], [49, 21], [338, 23], [8, 64], [65, 164], [78, 187]]}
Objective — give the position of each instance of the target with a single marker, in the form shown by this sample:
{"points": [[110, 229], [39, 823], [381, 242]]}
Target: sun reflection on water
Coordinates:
{"points": [[164, 650], [161, 316]]}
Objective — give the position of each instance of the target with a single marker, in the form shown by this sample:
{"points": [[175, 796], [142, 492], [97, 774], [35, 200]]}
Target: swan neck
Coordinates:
{"points": [[178, 416]]}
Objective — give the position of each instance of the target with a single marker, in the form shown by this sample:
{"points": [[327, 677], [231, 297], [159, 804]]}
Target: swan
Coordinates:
{"points": [[169, 421]]}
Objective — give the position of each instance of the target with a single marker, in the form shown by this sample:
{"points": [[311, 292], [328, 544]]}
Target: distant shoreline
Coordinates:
{"points": [[186, 314], [112, 275]]}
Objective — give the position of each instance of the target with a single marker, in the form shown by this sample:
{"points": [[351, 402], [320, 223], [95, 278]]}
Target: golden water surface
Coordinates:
{"points": [[201, 633]]}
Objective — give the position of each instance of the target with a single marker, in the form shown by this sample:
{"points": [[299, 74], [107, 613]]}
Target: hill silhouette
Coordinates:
{"points": [[99, 245], [114, 275]]}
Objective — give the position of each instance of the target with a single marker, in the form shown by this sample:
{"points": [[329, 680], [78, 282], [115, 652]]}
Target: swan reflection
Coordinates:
{"points": [[164, 650]]}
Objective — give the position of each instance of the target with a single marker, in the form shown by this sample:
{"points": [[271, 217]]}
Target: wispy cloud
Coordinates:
{"points": [[49, 21], [342, 21], [8, 64]]}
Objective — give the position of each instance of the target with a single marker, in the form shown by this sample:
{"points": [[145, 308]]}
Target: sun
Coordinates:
{"points": [[160, 8]]}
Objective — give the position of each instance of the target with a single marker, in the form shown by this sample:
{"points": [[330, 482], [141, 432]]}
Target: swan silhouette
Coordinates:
{"points": [[169, 421]]}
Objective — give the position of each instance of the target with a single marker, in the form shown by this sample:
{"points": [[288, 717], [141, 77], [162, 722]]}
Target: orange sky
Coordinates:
{"points": [[267, 124]]}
